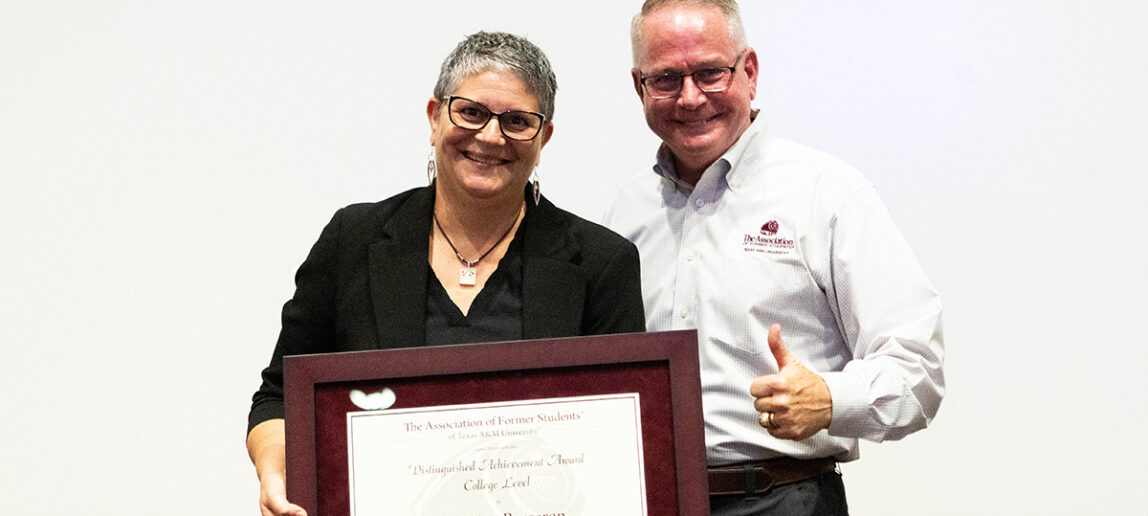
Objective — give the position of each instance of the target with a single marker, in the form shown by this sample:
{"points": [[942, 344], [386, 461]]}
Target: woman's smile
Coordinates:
{"points": [[484, 159]]}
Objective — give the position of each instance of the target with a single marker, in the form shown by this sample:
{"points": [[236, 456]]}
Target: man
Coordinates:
{"points": [[748, 238]]}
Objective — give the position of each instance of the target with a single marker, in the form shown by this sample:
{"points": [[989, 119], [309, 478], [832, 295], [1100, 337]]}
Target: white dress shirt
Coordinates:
{"points": [[775, 232]]}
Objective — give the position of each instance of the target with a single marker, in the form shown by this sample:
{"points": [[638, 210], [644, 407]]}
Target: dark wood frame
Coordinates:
{"points": [[664, 363]]}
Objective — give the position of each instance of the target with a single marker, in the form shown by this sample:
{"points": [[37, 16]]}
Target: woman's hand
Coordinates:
{"points": [[266, 446], [273, 497]]}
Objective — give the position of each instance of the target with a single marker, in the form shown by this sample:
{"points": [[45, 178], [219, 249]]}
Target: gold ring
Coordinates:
{"points": [[765, 419]]}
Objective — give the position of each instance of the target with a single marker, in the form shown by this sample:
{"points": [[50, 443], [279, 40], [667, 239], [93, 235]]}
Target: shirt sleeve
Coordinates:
{"points": [[614, 300], [890, 317], [308, 323]]}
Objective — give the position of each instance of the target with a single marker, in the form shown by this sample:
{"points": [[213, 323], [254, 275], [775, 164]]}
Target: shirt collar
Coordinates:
{"points": [[732, 166]]}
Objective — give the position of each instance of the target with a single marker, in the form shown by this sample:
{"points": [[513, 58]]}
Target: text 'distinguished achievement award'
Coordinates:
{"points": [[572, 456]]}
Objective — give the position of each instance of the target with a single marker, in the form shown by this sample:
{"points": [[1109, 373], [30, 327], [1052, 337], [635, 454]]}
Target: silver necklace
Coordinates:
{"points": [[467, 274]]}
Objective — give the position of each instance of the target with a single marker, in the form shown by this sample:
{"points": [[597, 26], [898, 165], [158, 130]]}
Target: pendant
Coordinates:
{"points": [[467, 276]]}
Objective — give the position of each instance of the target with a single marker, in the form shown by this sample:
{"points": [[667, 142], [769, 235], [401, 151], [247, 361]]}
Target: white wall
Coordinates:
{"points": [[165, 166]]}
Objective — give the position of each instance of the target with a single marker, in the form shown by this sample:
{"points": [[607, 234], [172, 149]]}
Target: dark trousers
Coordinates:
{"points": [[819, 496]]}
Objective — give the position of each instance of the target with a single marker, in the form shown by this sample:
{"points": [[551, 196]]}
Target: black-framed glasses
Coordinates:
{"points": [[514, 124], [709, 80]]}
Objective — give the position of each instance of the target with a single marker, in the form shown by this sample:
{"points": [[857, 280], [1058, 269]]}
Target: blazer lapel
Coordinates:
{"points": [[553, 285], [398, 269]]}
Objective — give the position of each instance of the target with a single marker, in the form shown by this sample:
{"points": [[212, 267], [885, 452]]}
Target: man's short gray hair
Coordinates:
{"points": [[727, 7], [502, 52]]}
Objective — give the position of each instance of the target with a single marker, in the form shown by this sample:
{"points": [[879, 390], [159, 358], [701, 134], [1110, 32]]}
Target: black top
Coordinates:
{"points": [[495, 314], [363, 286]]}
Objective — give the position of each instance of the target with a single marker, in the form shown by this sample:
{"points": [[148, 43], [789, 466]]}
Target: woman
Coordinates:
{"points": [[479, 255]]}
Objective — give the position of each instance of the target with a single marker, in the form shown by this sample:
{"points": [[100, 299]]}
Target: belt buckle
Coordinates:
{"points": [[751, 473]]}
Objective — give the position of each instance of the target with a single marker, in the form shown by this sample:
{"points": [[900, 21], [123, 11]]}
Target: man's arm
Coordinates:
{"points": [[890, 317]]}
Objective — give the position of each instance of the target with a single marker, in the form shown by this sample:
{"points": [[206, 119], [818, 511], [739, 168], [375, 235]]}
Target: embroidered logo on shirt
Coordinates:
{"points": [[767, 240]]}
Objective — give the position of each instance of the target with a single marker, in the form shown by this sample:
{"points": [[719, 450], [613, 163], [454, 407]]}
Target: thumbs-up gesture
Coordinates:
{"points": [[797, 398]]}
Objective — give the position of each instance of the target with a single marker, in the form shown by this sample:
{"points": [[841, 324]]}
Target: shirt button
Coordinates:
{"points": [[699, 203], [684, 314], [690, 257]]}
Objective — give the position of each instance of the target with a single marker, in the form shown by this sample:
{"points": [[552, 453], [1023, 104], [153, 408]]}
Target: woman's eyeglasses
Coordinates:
{"points": [[514, 124]]}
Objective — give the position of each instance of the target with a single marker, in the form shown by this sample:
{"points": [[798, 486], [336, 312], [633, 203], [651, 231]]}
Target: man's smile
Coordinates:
{"points": [[701, 122]]}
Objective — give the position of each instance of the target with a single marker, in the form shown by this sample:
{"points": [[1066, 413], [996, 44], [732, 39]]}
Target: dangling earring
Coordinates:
{"points": [[537, 189], [432, 169]]}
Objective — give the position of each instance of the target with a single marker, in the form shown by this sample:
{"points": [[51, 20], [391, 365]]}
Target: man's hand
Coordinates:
{"points": [[797, 397]]}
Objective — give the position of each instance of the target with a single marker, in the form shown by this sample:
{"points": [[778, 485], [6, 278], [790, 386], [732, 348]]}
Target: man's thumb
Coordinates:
{"points": [[780, 352]]}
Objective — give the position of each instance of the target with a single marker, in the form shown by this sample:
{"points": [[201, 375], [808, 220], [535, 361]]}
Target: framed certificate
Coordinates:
{"points": [[585, 425]]}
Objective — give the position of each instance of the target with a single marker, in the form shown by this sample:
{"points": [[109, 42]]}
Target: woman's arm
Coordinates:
{"points": [[266, 446]]}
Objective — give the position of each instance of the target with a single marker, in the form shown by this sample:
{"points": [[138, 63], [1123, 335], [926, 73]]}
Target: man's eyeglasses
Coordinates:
{"points": [[515, 125], [709, 80]]}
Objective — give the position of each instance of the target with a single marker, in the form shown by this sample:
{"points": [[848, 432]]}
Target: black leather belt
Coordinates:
{"points": [[759, 477]]}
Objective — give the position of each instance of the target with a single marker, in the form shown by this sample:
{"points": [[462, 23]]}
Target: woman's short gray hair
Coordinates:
{"points": [[499, 51]]}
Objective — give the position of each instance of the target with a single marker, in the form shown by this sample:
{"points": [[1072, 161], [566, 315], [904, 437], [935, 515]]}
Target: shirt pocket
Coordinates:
{"points": [[756, 290]]}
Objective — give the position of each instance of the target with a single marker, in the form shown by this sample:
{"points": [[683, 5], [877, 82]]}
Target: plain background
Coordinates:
{"points": [[165, 167]]}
